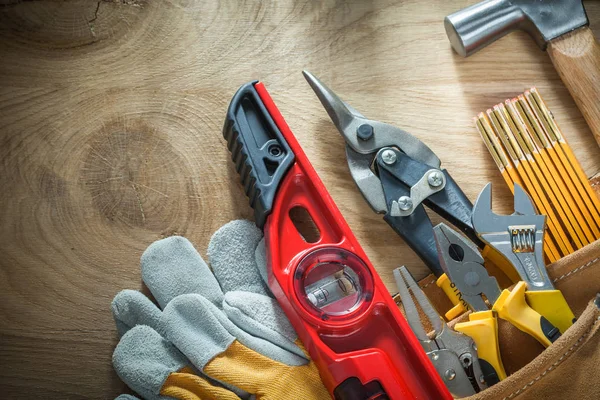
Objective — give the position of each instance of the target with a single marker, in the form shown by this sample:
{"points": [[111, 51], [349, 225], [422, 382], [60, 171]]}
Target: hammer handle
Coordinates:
{"points": [[576, 57]]}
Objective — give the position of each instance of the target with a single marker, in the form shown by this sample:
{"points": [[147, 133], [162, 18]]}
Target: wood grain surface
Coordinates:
{"points": [[111, 115]]}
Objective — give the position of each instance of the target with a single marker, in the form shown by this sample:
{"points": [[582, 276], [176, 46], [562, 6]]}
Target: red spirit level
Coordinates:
{"points": [[329, 290]]}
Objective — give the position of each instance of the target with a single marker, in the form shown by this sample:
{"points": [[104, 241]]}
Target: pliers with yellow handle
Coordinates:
{"points": [[519, 238], [464, 265]]}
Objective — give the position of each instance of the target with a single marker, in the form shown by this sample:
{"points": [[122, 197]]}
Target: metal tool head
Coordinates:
{"points": [[367, 136], [406, 284], [364, 138], [367, 182], [518, 237], [453, 354], [463, 264], [485, 220], [474, 27]]}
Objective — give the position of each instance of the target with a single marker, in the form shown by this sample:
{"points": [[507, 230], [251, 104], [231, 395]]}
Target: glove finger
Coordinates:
{"points": [[172, 267], [201, 331], [186, 385], [260, 257], [262, 317], [231, 255], [154, 368], [265, 378], [143, 359], [131, 308], [126, 397]]}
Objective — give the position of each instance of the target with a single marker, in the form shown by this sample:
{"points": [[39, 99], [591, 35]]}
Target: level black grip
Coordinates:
{"points": [[258, 149], [353, 389]]}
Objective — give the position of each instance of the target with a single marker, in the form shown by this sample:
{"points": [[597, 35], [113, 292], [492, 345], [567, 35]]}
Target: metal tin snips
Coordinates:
{"points": [[397, 175]]}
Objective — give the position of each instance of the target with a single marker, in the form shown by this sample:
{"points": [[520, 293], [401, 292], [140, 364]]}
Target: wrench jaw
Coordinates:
{"points": [[518, 237], [523, 204], [486, 221]]}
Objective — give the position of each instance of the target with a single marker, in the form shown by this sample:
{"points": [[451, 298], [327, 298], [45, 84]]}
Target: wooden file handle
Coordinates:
{"points": [[576, 57]]}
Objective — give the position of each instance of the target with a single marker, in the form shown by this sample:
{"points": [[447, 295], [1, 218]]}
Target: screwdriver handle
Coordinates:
{"points": [[512, 307], [552, 305], [482, 327]]}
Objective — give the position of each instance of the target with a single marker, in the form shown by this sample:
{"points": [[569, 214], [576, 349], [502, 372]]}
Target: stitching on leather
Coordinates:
{"points": [[576, 269], [424, 286], [556, 363]]}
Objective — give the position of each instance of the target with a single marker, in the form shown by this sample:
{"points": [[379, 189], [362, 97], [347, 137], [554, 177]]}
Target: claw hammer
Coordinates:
{"points": [[558, 26]]}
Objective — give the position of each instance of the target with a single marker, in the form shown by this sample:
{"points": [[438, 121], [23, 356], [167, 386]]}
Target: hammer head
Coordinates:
{"points": [[477, 26]]}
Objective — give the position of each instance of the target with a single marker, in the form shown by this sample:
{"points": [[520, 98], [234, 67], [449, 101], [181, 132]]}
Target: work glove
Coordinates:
{"points": [[215, 334]]}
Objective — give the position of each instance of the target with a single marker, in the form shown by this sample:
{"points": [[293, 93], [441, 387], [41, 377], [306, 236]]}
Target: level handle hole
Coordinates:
{"points": [[304, 224]]}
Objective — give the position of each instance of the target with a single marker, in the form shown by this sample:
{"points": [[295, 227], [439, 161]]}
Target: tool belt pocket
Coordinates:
{"points": [[567, 369]]}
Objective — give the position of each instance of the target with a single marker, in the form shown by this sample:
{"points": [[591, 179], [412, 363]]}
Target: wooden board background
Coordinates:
{"points": [[111, 115]]}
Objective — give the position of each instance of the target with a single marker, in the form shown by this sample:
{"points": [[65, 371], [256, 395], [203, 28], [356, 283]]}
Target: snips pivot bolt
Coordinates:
{"points": [[364, 132], [405, 203], [388, 156], [435, 179]]}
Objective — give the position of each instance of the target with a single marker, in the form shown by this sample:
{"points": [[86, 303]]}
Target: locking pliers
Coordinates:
{"points": [[453, 354]]}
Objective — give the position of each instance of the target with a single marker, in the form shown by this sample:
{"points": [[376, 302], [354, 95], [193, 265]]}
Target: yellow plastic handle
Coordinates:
{"points": [[460, 306], [552, 305], [512, 307], [483, 329], [495, 257]]}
